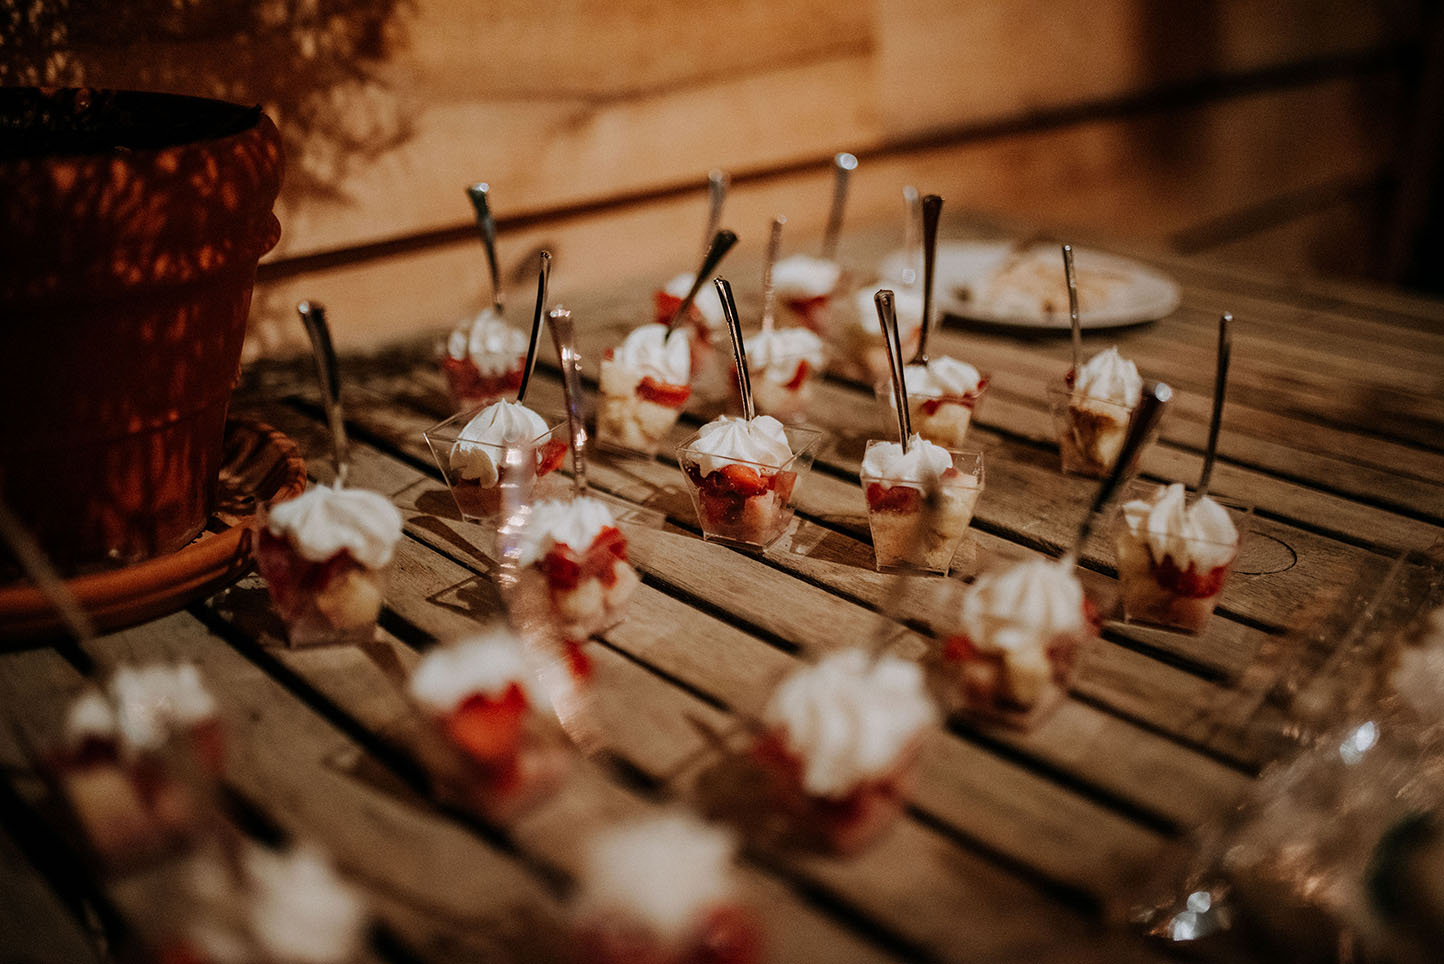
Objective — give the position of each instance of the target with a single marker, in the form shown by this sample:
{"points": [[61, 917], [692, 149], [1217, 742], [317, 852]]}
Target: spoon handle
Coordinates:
{"points": [[842, 166], [739, 350], [1150, 409], [313, 316], [543, 276], [769, 292], [717, 184], [1073, 319], [564, 336], [887, 320], [487, 224], [932, 212], [912, 242], [722, 242], [1220, 388]]}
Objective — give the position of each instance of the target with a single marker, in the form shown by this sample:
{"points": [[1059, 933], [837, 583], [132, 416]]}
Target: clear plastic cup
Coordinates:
{"points": [[1090, 431], [478, 497], [747, 504], [334, 601], [1158, 592], [910, 536]]}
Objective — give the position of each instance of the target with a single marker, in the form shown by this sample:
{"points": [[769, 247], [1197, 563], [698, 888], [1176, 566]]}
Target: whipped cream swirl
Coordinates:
{"points": [[300, 910], [152, 702], [650, 351], [728, 439], [1022, 608], [799, 277], [849, 719], [1201, 536], [324, 520], [665, 872], [573, 523], [922, 463], [486, 664], [775, 355], [483, 440], [708, 302], [942, 376], [492, 345], [1108, 377]]}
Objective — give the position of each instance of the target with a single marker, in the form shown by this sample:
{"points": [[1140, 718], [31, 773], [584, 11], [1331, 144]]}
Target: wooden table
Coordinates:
{"points": [[1015, 846]]}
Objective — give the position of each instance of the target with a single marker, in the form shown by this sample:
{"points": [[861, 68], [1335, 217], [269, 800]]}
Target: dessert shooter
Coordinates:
{"points": [[494, 750], [645, 383], [325, 556], [1092, 410], [483, 361], [681, 299], [839, 746], [785, 360], [806, 285], [129, 758], [661, 890], [742, 474], [471, 459], [943, 393], [571, 553], [907, 533], [1020, 632], [1174, 558]]}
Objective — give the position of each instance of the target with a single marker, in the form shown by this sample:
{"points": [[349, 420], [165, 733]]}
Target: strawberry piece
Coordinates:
{"points": [[467, 381], [549, 456], [562, 568], [650, 389], [565, 570], [727, 936], [579, 664], [489, 730], [812, 310], [892, 498], [742, 480], [798, 377], [1189, 583], [959, 648]]}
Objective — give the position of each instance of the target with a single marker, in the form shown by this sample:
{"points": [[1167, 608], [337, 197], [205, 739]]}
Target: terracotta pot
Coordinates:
{"points": [[130, 228]]}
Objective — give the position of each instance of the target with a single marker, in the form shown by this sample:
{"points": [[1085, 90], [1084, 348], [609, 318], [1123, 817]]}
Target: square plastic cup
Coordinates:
{"points": [[941, 419], [745, 504], [785, 388], [479, 497], [908, 535], [1090, 431], [636, 419], [1156, 592], [334, 601]]}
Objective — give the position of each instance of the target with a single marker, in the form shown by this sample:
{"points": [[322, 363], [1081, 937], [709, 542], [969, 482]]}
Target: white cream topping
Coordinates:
{"points": [[324, 520], [775, 355], [153, 701], [800, 277], [942, 376], [848, 719], [907, 305], [483, 439], [708, 302], [665, 872], [650, 351], [1109, 377], [89, 716], [570, 522], [922, 463], [1020, 609], [489, 342], [728, 439], [301, 911], [1201, 536], [486, 664]]}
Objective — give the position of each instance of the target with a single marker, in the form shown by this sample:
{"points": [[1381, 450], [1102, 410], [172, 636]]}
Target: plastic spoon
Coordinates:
{"points": [[769, 291], [1150, 409], [1072, 277], [536, 325], [1220, 387], [722, 242], [911, 255], [887, 320], [739, 350], [717, 184], [564, 336], [313, 316], [932, 212], [842, 166], [487, 224]]}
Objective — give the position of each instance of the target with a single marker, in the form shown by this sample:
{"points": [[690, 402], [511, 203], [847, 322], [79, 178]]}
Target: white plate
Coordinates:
{"points": [[1123, 292]]}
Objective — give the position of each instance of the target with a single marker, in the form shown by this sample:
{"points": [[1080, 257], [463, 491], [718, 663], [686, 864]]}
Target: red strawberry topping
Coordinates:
{"points": [[467, 381], [800, 376], [892, 498], [550, 455], [565, 571], [489, 730], [1189, 583], [650, 389]]}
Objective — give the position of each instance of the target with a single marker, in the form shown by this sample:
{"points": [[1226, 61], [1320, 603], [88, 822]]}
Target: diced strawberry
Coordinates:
{"points": [[1189, 583], [1069, 378], [728, 936], [892, 498], [489, 730], [579, 664], [812, 310], [743, 480], [563, 570], [467, 381], [650, 389], [550, 455], [958, 648], [667, 306], [798, 377]]}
